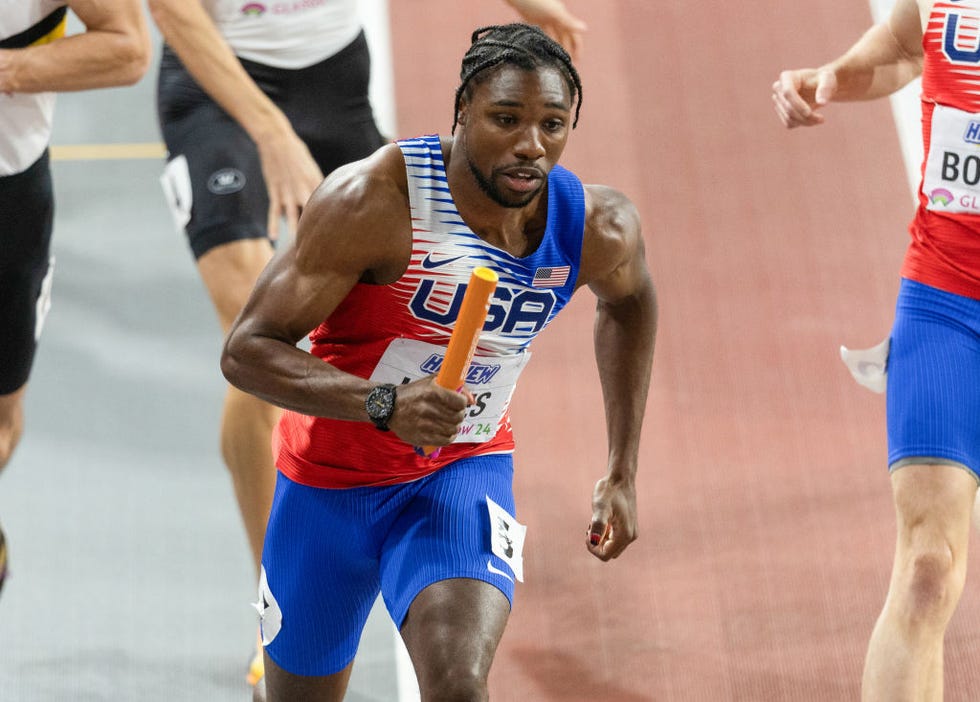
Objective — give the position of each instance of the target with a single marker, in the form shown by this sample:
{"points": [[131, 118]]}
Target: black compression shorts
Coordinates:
{"points": [[214, 178], [26, 217]]}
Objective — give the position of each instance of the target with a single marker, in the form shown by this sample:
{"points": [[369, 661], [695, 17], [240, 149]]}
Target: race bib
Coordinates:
{"points": [[951, 182], [506, 539], [176, 184], [491, 379]]}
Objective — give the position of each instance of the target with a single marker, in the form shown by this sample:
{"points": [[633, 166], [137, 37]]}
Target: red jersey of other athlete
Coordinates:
{"points": [[945, 247]]}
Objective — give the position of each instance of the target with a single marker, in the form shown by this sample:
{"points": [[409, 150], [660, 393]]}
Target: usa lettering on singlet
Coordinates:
{"points": [[399, 332], [944, 251], [25, 118]]}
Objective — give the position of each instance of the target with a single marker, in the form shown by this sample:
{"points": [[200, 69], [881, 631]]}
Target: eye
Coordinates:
{"points": [[554, 125], [506, 119]]}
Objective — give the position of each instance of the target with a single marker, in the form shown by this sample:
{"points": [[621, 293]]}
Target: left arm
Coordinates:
{"points": [[614, 267], [113, 50]]}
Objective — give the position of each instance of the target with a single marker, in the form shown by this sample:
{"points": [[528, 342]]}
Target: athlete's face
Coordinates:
{"points": [[514, 127]]}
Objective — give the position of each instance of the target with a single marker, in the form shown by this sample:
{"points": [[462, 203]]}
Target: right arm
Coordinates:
{"points": [[886, 58], [356, 227], [291, 175], [113, 50]]}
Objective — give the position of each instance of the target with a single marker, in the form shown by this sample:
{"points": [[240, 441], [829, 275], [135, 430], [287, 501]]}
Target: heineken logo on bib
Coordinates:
{"points": [[951, 181], [940, 196], [477, 374], [972, 135]]}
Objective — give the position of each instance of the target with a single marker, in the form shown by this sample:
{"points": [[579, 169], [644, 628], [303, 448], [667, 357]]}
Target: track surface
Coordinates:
{"points": [[765, 508]]}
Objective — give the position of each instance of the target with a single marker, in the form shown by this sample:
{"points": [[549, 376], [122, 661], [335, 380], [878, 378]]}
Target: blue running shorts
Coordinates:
{"points": [[328, 553], [933, 395]]}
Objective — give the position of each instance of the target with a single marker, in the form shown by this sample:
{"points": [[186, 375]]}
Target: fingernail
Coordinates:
{"points": [[594, 538]]}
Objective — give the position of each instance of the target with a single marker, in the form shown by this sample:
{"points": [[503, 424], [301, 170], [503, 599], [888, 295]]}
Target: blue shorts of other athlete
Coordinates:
{"points": [[934, 379], [328, 553]]}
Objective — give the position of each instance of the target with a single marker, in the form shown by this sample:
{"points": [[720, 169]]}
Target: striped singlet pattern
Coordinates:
{"points": [[422, 305]]}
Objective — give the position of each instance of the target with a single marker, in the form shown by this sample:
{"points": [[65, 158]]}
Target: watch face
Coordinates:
{"points": [[380, 403]]}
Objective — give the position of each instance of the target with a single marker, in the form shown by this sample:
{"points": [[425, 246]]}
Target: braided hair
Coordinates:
{"points": [[523, 45]]}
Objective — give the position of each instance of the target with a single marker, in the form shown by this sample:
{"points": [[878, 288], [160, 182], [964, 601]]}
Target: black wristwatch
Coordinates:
{"points": [[380, 405]]}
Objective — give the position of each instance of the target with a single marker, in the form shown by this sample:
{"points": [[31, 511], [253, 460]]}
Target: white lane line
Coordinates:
{"points": [[374, 16]]}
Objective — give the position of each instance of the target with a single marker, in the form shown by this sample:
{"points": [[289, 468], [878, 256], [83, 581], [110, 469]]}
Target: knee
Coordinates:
{"points": [[11, 428], [454, 681], [934, 586]]}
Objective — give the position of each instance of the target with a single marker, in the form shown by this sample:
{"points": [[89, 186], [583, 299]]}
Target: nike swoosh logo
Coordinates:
{"points": [[429, 262], [492, 569]]}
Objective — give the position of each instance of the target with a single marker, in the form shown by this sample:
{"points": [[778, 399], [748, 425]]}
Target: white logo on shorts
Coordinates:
{"points": [[226, 181], [43, 304], [496, 571], [270, 616]]}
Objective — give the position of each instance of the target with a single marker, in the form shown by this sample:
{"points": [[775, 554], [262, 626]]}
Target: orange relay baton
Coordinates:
{"points": [[462, 343]]}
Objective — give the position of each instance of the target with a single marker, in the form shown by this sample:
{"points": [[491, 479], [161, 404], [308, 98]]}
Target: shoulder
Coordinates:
{"points": [[609, 211], [380, 175], [613, 261], [613, 235], [361, 212]]}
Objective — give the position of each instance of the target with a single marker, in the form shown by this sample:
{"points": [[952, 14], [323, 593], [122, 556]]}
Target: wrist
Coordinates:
{"points": [[7, 66], [623, 474], [380, 405]]}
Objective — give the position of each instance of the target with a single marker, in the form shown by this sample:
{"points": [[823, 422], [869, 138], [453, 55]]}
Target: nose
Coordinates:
{"points": [[530, 146]]}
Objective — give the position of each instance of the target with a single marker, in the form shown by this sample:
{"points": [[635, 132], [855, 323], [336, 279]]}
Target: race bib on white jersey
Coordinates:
{"points": [[951, 182], [491, 379]]}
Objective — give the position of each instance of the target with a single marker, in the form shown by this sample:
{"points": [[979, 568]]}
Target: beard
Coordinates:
{"points": [[490, 189]]}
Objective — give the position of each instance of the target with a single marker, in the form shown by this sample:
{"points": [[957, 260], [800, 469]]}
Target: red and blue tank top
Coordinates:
{"points": [[399, 332], [945, 234]]}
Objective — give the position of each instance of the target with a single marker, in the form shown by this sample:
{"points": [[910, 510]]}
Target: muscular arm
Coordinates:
{"points": [[356, 226], [625, 330], [113, 50], [887, 57], [289, 170]]}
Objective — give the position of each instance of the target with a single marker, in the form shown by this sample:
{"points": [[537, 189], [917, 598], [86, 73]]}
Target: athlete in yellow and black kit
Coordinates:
{"points": [[38, 59]]}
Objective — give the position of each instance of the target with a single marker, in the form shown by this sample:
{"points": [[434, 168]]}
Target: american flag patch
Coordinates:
{"points": [[553, 277]]}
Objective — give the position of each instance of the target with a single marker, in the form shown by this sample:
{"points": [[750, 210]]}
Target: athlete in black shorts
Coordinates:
{"points": [[35, 59]]}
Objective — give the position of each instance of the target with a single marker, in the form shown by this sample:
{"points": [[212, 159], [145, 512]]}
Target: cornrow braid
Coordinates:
{"points": [[523, 45]]}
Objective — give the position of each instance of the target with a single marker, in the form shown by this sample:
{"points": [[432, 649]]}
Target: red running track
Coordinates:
{"points": [[765, 509]]}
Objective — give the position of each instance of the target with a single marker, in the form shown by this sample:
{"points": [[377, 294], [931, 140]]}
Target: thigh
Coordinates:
{"points": [[933, 504], [319, 577], [449, 531], [278, 685], [26, 266], [229, 272], [933, 402], [452, 629]]}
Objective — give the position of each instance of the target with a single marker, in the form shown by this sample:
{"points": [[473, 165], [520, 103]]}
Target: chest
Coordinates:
{"points": [[951, 33]]}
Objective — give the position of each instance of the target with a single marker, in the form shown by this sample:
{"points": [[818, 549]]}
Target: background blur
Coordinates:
{"points": [[765, 510]]}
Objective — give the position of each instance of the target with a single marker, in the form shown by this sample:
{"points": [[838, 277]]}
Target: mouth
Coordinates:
{"points": [[522, 180]]}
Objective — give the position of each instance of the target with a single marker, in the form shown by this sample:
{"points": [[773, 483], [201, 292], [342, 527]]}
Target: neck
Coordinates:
{"points": [[516, 230]]}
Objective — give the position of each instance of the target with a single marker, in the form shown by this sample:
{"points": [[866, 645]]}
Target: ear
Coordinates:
{"points": [[462, 112]]}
